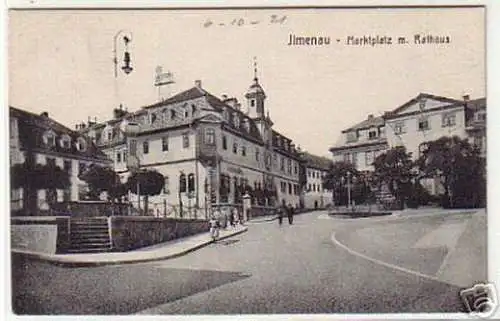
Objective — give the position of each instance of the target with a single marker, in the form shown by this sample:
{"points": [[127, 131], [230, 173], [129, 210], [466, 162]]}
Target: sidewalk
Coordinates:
{"points": [[161, 251]]}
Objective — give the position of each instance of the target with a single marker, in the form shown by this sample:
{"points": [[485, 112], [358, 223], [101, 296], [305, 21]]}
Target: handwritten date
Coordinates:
{"points": [[239, 22]]}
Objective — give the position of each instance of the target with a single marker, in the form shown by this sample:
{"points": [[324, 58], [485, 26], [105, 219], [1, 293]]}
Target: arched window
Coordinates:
{"points": [[81, 144], [65, 141], [49, 138]]}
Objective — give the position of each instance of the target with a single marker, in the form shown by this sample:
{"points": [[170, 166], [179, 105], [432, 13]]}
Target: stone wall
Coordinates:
{"points": [[40, 234], [130, 232]]}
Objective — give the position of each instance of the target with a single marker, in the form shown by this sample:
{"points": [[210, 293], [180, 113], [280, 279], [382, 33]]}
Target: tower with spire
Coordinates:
{"points": [[255, 105]]}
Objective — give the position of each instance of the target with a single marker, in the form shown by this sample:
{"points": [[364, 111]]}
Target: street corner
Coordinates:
{"points": [[447, 249]]}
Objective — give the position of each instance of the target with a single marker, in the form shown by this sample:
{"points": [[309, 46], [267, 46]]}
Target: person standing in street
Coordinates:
{"points": [[290, 214], [280, 213]]}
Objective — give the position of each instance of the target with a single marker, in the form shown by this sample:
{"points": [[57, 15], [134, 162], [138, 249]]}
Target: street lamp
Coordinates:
{"points": [[127, 38], [348, 189]]}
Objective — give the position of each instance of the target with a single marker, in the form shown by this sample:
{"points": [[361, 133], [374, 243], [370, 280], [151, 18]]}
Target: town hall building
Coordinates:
{"points": [[211, 151]]}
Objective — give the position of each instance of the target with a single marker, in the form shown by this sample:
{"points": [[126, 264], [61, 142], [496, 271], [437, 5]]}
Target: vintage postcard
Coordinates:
{"points": [[279, 161]]}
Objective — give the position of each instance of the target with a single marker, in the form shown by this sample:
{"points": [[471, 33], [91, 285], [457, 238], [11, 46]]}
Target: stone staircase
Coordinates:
{"points": [[89, 235]]}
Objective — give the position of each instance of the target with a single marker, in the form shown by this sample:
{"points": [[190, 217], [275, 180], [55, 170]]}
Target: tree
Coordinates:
{"points": [[336, 180], [149, 183], [33, 177], [460, 168], [104, 179], [394, 169]]}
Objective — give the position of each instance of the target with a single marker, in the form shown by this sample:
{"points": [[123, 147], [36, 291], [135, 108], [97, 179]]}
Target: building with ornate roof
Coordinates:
{"points": [[41, 140], [222, 148], [315, 169]]}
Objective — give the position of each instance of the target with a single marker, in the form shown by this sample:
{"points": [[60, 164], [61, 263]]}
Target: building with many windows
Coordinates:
{"points": [[38, 139], [315, 169], [221, 149], [420, 120]]}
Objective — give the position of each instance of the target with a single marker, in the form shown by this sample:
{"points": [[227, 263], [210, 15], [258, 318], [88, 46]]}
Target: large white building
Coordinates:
{"points": [[223, 148], [38, 139], [420, 120], [315, 169]]}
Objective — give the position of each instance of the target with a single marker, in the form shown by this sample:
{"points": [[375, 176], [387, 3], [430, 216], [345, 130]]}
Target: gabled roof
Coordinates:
{"points": [[32, 127], [421, 96], [192, 93], [367, 123]]}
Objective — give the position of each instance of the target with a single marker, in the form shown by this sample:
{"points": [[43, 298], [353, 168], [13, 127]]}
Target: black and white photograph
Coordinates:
{"points": [[278, 161]]}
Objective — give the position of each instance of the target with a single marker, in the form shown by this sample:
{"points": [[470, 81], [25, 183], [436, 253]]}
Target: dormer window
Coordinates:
{"points": [[81, 144], [153, 118], [225, 114], [352, 136], [372, 133], [252, 103], [193, 109], [246, 123], [65, 141], [236, 120], [173, 115], [49, 138]]}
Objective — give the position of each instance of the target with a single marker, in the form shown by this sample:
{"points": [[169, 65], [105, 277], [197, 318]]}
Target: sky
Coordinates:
{"points": [[62, 62]]}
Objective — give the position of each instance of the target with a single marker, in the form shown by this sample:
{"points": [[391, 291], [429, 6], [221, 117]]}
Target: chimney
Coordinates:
{"points": [[224, 97], [119, 112], [197, 83], [44, 114], [466, 97]]}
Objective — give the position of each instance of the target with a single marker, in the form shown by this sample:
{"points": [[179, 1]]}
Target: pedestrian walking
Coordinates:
{"points": [[280, 214], [214, 227], [290, 214]]}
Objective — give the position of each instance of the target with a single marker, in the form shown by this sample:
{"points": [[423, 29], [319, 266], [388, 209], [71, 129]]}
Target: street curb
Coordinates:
{"points": [[67, 263]]}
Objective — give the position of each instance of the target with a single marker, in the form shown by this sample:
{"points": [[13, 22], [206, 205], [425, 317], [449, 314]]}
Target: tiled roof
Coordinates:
{"points": [[32, 127], [367, 123], [192, 93], [315, 161]]}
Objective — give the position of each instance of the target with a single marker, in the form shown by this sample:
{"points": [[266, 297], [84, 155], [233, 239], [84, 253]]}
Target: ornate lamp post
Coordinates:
{"points": [[127, 38]]}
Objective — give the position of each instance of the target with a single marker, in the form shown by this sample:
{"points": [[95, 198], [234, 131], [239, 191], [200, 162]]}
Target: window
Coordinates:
{"points": [[224, 142], [449, 120], [65, 141], [185, 140], [257, 154], [210, 136], [290, 188], [252, 103], [124, 156], [423, 124], [153, 117], [118, 157], [235, 147], [480, 116], [81, 144], [193, 109], [236, 120], [289, 166], [243, 150], [164, 143], [109, 135], [368, 158], [172, 114], [478, 142], [50, 139], [347, 157], [145, 147], [295, 169], [282, 163], [186, 113], [399, 128], [372, 134], [354, 160]]}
